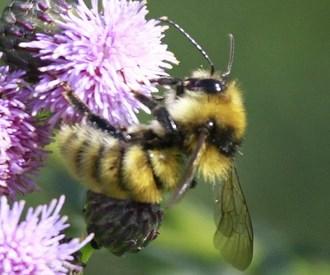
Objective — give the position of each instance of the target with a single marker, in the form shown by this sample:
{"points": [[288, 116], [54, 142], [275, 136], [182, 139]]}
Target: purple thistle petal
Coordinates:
{"points": [[36, 244], [102, 53]]}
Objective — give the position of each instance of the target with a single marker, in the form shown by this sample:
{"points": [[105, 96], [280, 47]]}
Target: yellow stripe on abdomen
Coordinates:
{"points": [[138, 176], [91, 155], [167, 166], [110, 172]]}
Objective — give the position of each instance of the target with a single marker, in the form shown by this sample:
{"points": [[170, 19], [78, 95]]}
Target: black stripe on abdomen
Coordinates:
{"points": [[121, 182], [97, 166], [80, 158], [157, 180]]}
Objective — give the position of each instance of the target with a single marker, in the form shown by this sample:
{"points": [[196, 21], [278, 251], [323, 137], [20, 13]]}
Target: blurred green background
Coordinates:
{"points": [[282, 63]]}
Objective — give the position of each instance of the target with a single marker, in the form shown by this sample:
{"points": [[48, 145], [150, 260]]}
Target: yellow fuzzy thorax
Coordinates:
{"points": [[227, 109]]}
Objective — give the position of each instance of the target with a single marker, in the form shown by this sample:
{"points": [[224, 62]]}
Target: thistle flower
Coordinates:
{"points": [[102, 53], [36, 244], [121, 225], [19, 22], [21, 139]]}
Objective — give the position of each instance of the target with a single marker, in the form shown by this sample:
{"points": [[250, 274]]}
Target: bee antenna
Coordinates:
{"points": [[231, 56], [192, 40]]}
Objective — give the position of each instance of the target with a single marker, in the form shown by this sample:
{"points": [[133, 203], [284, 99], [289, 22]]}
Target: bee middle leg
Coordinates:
{"points": [[161, 114]]}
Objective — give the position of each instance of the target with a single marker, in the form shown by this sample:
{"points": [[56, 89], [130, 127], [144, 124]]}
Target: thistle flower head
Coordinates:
{"points": [[19, 22], [35, 244], [21, 140], [102, 53], [121, 225]]}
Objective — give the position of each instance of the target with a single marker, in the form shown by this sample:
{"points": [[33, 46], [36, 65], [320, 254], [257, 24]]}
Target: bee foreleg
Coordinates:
{"points": [[74, 100], [171, 81], [92, 118]]}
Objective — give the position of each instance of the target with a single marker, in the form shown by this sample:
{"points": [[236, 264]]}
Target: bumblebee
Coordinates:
{"points": [[197, 130]]}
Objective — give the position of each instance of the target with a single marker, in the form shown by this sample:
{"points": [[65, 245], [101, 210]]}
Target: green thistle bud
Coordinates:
{"points": [[20, 21], [121, 225]]}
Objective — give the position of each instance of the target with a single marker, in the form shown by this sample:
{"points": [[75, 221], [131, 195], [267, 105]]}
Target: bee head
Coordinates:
{"points": [[210, 83]]}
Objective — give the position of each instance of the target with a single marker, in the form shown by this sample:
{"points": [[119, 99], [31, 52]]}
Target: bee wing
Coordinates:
{"points": [[189, 171], [234, 235]]}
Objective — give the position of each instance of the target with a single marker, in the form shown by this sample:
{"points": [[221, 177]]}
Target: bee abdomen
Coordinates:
{"points": [[119, 171], [92, 156]]}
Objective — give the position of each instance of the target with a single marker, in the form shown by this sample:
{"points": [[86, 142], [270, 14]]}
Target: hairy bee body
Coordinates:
{"points": [[147, 162]]}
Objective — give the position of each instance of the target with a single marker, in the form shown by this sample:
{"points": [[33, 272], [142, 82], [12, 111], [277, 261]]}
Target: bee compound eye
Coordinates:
{"points": [[208, 85], [218, 86], [213, 86]]}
